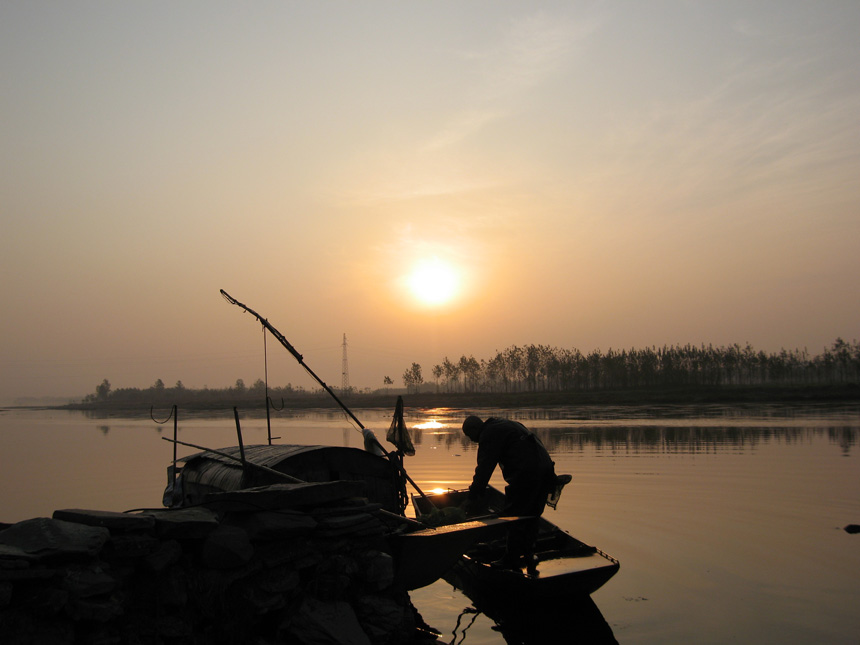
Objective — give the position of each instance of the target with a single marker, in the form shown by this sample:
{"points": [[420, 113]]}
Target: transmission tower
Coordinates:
{"points": [[344, 383]]}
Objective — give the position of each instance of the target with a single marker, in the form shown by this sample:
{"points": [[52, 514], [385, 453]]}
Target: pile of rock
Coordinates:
{"points": [[290, 563]]}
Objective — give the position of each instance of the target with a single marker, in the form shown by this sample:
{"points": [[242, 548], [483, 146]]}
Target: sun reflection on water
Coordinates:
{"points": [[432, 424]]}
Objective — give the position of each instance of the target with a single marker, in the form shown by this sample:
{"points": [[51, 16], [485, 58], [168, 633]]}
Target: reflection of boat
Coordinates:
{"points": [[523, 621], [564, 565]]}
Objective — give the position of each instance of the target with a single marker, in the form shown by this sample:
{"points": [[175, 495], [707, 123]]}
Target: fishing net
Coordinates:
{"points": [[398, 433]]}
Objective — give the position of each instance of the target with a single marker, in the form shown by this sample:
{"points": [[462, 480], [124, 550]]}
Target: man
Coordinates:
{"points": [[527, 469]]}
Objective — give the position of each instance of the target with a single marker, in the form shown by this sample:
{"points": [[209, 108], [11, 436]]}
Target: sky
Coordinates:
{"points": [[587, 175]]}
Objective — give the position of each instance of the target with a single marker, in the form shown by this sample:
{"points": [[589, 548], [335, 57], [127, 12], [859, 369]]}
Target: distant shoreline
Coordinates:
{"points": [[848, 393]]}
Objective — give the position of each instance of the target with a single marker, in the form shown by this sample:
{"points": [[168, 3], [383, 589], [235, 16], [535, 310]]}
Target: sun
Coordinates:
{"points": [[434, 282]]}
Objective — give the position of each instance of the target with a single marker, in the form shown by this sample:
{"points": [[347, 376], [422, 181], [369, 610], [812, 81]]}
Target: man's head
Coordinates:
{"points": [[472, 427]]}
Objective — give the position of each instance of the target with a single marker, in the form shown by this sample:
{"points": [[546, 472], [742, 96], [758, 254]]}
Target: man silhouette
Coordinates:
{"points": [[527, 469]]}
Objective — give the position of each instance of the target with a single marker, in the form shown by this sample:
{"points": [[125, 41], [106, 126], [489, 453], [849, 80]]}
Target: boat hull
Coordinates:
{"points": [[564, 565]]}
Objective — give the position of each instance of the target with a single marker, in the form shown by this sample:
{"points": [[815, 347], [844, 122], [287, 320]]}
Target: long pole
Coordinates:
{"points": [[292, 350]]}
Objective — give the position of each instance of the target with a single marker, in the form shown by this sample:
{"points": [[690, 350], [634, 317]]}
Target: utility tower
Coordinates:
{"points": [[344, 382]]}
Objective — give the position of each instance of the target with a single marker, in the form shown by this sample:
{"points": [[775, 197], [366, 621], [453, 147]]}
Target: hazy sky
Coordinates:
{"points": [[595, 174]]}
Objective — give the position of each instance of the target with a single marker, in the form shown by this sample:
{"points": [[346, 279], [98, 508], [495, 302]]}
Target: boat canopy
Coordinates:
{"points": [[208, 472]]}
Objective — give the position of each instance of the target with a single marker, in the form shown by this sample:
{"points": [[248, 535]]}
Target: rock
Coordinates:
{"points": [[100, 610], [227, 547], [378, 570], [173, 627], [42, 538], [362, 524], [380, 616], [41, 599], [131, 545], [119, 522], [87, 581], [184, 523], [273, 525], [24, 627], [260, 601], [167, 553], [296, 553], [282, 581], [326, 623], [13, 563], [173, 588], [5, 593], [346, 507], [28, 574]]}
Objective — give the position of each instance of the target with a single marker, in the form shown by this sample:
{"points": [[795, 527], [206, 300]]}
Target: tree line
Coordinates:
{"points": [[158, 392], [539, 368]]}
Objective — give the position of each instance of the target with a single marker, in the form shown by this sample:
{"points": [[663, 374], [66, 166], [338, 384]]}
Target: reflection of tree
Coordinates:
{"points": [[659, 438]]}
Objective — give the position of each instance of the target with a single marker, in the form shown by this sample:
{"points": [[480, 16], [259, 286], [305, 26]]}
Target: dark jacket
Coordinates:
{"points": [[525, 463]]}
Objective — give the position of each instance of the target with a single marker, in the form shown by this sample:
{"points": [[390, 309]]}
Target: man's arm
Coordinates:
{"points": [[488, 458]]}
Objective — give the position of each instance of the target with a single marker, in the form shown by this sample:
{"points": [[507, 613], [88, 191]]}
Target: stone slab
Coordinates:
{"points": [[43, 537], [108, 519]]}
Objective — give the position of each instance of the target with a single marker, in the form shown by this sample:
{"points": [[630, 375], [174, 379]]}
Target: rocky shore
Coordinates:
{"points": [[290, 563]]}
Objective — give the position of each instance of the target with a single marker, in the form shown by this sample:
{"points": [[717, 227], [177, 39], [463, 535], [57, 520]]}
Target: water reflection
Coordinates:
{"points": [[626, 438], [566, 619]]}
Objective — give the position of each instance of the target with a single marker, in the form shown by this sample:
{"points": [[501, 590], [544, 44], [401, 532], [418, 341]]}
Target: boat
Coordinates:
{"points": [[421, 553], [563, 565], [464, 550]]}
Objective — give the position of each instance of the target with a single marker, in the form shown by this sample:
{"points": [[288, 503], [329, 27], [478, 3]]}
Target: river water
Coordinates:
{"points": [[728, 521]]}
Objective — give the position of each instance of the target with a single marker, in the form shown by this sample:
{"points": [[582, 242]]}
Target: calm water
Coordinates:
{"points": [[727, 521]]}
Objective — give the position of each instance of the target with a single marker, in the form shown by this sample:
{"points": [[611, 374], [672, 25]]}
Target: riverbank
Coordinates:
{"points": [[848, 393]]}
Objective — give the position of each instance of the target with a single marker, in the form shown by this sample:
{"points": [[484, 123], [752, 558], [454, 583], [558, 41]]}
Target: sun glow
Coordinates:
{"points": [[434, 282]]}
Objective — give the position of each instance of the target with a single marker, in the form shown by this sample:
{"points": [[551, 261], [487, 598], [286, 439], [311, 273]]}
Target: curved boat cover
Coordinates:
{"points": [[208, 472]]}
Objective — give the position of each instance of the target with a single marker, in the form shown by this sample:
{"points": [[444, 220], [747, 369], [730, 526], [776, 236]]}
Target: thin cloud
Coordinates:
{"points": [[532, 50]]}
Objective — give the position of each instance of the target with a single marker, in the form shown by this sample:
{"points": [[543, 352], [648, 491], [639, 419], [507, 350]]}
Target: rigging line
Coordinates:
{"points": [[172, 411]]}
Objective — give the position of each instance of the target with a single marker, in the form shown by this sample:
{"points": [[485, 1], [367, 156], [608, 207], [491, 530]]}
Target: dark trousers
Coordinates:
{"points": [[529, 499]]}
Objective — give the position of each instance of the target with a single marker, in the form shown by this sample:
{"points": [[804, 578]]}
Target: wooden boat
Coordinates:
{"points": [[563, 565], [421, 554]]}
